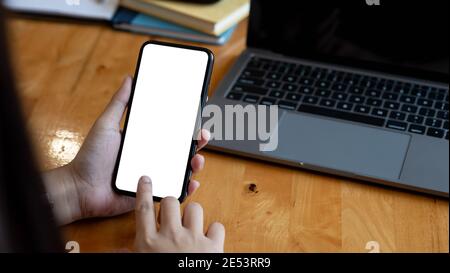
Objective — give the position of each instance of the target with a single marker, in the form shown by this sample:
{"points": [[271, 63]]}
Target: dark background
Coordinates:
{"points": [[406, 36]]}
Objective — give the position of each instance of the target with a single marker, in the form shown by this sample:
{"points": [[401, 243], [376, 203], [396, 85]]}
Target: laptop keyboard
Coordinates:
{"points": [[402, 106]]}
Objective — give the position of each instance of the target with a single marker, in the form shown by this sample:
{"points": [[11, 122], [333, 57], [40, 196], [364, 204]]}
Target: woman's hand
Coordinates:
{"points": [[176, 233], [82, 188]]}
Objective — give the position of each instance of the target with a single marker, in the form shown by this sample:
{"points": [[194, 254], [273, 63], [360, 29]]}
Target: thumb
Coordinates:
{"points": [[113, 112]]}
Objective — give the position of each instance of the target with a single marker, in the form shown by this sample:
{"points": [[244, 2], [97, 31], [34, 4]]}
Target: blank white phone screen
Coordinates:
{"points": [[162, 119]]}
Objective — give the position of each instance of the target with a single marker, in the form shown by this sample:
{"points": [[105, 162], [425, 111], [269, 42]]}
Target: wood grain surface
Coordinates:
{"points": [[67, 72]]}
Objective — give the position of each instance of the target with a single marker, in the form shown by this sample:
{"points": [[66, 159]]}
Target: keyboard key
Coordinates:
{"points": [[409, 108], [338, 78], [273, 84], [315, 73], [268, 101], [419, 92], [391, 105], [251, 99], [446, 135], [274, 76], [234, 96], [397, 115], [349, 80], [373, 102], [254, 63], [323, 84], [290, 87], [362, 109], [293, 96], [277, 94], [310, 100], [291, 70], [324, 77], [269, 67], [408, 99], [441, 106], [282, 69], [341, 115], [443, 115], [427, 112], [443, 90], [251, 81], [323, 93], [435, 132], [327, 102], [436, 96], [290, 78], [331, 77], [306, 81], [303, 70], [379, 112], [357, 99], [425, 102], [356, 90], [390, 96], [397, 125], [445, 126], [339, 96], [253, 73], [417, 129], [287, 105], [436, 123], [385, 86], [357, 77], [366, 82], [421, 87], [306, 90], [415, 119], [250, 89], [340, 87], [373, 93], [400, 89], [345, 106]]}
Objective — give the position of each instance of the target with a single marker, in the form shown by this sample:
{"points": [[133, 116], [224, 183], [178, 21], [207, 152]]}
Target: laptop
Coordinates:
{"points": [[362, 90]]}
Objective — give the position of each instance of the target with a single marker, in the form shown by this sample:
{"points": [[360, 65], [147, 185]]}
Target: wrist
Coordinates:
{"points": [[62, 194]]}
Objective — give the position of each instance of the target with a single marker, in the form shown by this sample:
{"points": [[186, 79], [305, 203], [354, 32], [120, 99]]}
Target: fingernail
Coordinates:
{"points": [[146, 179]]}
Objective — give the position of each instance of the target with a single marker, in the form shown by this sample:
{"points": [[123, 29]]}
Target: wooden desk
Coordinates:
{"points": [[68, 72]]}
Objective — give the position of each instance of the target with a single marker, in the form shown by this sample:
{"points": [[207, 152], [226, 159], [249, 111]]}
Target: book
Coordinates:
{"points": [[129, 20], [213, 19], [87, 9]]}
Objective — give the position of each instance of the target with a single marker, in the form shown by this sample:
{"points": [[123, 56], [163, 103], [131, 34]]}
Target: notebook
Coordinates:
{"points": [[213, 19], [89, 9], [137, 22]]}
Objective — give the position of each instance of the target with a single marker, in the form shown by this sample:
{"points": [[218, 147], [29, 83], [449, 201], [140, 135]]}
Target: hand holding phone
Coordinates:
{"points": [[169, 90]]}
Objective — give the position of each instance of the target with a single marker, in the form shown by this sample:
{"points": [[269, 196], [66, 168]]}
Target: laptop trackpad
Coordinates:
{"points": [[341, 146]]}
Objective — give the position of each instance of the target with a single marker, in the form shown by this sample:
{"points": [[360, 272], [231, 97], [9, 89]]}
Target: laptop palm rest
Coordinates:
{"points": [[341, 146]]}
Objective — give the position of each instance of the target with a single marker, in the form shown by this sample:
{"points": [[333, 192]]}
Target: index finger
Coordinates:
{"points": [[145, 211]]}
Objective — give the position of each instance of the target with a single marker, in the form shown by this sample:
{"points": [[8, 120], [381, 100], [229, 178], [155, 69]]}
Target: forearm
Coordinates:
{"points": [[62, 194]]}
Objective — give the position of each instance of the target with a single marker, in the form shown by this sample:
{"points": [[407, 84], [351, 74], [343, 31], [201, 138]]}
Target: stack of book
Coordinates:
{"points": [[192, 20], [212, 23]]}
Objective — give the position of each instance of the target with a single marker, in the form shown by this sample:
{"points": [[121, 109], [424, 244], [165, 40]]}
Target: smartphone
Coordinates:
{"points": [[169, 91]]}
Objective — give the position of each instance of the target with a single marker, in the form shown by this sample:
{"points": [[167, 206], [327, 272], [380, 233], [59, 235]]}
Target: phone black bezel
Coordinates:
{"points": [[193, 148]]}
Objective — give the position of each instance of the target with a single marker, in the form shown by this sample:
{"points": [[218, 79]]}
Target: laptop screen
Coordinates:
{"points": [[393, 36]]}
